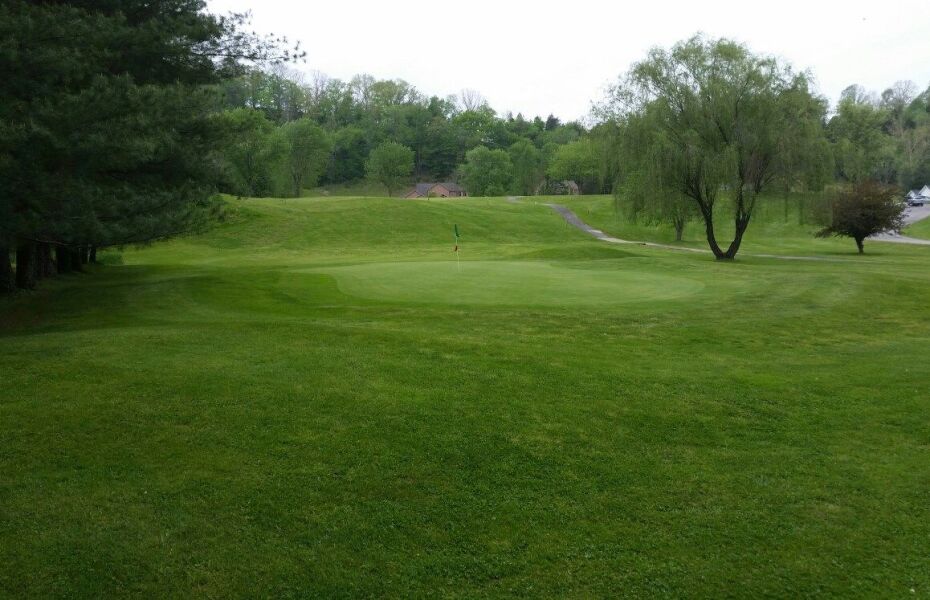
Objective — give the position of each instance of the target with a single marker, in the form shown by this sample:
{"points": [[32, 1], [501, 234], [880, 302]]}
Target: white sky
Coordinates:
{"points": [[544, 56]]}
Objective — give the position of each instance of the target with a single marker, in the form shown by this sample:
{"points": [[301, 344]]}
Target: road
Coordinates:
{"points": [[911, 216]]}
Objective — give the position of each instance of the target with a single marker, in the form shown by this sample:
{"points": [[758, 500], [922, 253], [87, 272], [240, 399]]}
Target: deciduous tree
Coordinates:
{"points": [[578, 161], [487, 172], [527, 167], [717, 113], [391, 165], [307, 153], [864, 209], [251, 151], [862, 148]]}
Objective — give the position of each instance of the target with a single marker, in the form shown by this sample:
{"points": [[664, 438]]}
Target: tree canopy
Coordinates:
{"points": [[715, 114], [867, 208], [487, 172], [307, 151], [363, 113], [391, 165], [107, 121], [527, 167]]}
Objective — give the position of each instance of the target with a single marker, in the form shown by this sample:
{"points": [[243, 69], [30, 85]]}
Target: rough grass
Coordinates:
{"points": [[775, 227], [356, 188], [311, 400], [920, 229]]}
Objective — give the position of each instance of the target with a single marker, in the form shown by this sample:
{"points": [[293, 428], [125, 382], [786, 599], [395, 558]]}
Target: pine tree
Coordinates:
{"points": [[105, 129]]}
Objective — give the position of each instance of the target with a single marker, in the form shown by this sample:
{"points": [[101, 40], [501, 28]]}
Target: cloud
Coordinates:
{"points": [[542, 57]]}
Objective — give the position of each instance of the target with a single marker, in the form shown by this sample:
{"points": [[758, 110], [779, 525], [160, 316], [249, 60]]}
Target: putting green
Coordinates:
{"points": [[509, 283]]}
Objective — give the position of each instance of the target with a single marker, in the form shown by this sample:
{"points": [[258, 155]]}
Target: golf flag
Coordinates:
{"points": [[455, 231]]}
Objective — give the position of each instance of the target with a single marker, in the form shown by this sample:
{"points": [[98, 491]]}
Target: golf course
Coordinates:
{"points": [[317, 397]]}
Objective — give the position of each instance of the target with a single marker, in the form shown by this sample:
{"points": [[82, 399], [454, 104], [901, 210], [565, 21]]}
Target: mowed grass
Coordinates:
{"points": [[772, 230], [920, 229], [315, 399]]}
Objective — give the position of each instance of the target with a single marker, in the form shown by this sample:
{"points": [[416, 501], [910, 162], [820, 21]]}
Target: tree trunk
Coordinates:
{"points": [[7, 280], [75, 256], [708, 215], [860, 245], [679, 229], [83, 254], [26, 266], [45, 266], [63, 259], [93, 254], [741, 225]]}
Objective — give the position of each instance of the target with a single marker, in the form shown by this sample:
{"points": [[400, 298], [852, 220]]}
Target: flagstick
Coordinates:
{"points": [[455, 233]]}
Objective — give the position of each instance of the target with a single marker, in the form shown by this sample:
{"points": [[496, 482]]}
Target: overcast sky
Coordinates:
{"points": [[556, 57]]}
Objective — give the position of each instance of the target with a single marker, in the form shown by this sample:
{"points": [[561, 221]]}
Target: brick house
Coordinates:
{"points": [[446, 189]]}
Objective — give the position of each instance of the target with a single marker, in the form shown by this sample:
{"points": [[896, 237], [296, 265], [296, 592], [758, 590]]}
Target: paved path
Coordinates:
{"points": [[573, 219], [911, 216]]}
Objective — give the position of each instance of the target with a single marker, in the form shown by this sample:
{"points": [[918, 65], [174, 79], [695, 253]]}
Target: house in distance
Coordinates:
{"points": [[918, 197], [445, 189]]}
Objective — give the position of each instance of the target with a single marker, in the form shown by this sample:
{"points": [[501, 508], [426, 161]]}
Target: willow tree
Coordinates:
{"points": [[647, 192], [715, 117]]}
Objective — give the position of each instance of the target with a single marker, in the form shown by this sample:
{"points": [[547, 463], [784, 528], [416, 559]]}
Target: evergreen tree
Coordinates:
{"points": [[106, 122]]}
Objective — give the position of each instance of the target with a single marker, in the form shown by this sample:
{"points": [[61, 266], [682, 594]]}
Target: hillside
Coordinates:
{"points": [[319, 390]]}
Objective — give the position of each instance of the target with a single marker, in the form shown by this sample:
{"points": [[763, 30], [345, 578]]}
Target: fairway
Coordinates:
{"points": [[316, 399]]}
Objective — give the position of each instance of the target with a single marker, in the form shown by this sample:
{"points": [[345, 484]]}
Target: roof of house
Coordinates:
{"points": [[451, 186], [423, 189]]}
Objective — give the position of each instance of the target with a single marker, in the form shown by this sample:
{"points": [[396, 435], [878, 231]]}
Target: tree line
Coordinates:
{"points": [[458, 137], [121, 119]]}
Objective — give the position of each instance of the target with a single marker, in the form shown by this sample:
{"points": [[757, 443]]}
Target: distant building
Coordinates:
{"points": [[446, 189]]}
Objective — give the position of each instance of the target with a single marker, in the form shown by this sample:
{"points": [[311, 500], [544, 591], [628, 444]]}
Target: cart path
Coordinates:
{"points": [[571, 218]]}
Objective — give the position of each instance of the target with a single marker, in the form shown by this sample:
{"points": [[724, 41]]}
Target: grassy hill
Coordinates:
{"points": [[316, 398]]}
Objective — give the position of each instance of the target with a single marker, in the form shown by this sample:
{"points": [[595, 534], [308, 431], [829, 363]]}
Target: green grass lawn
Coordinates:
{"points": [[315, 399], [356, 188], [772, 231], [920, 229]]}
